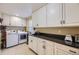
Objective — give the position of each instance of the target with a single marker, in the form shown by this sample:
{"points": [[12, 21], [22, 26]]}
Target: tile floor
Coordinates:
{"points": [[21, 49]]}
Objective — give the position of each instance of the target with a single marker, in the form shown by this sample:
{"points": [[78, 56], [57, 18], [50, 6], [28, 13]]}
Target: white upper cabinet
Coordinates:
{"points": [[39, 17], [23, 22], [71, 14], [54, 14], [16, 21], [42, 17], [35, 19], [6, 20]]}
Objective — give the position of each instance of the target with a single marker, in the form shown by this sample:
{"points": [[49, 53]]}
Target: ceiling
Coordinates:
{"points": [[20, 9]]}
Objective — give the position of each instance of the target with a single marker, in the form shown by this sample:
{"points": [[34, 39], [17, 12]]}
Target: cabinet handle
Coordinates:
{"points": [[44, 47], [72, 51], [37, 24], [61, 22]]}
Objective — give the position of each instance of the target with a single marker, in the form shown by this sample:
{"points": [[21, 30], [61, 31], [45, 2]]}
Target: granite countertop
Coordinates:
{"points": [[55, 38]]}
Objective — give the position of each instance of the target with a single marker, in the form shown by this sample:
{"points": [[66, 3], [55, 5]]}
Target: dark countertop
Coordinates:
{"points": [[53, 37]]}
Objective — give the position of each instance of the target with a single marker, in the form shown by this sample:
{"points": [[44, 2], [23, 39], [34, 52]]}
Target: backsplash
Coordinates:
{"points": [[60, 30]]}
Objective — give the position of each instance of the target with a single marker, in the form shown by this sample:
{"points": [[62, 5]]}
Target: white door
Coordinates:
{"points": [[41, 46], [35, 19], [42, 17], [30, 42], [35, 44], [6, 20], [12, 39], [71, 11], [16, 21], [49, 50], [60, 52], [54, 14], [23, 22]]}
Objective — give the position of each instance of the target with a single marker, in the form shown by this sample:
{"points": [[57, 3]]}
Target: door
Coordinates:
{"points": [[41, 46], [71, 11], [35, 19], [54, 14], [33, 43], [16, 21], [49, 50], [12, 39], [60, 52], [30, 42], [42, 17], [23, 22]]}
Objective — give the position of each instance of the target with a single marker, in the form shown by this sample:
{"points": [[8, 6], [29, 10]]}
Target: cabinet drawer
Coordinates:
{"points": [[70, 50]]}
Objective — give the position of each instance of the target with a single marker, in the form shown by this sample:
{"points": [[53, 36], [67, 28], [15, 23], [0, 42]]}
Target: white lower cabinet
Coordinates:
{"points": [[65, 50], [41, 46], [45, 47], [49, 50], [33, 43], [30, 42], [60, 52]]}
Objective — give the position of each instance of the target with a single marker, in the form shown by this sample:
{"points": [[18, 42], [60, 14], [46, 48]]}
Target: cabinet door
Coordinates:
{"points": [[60, 52], [42, 17], [33, 43], [30, 42], [71, 11], [6, 20], [16, 21], [54, 14], [41, 46], [35, 19], [49, 50], [23, 22]]}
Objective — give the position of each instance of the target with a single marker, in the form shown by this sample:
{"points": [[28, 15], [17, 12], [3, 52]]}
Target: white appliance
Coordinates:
{"points": [[12, 39], [22, 37]]}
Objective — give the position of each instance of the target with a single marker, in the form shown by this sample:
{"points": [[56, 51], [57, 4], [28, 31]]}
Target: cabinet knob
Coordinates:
{"points": [[44, 47], [61, 22], [37, 24]]}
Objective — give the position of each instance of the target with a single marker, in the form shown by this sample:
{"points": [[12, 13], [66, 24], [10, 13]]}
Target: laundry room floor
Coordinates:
{"points": [[21, 49]]}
